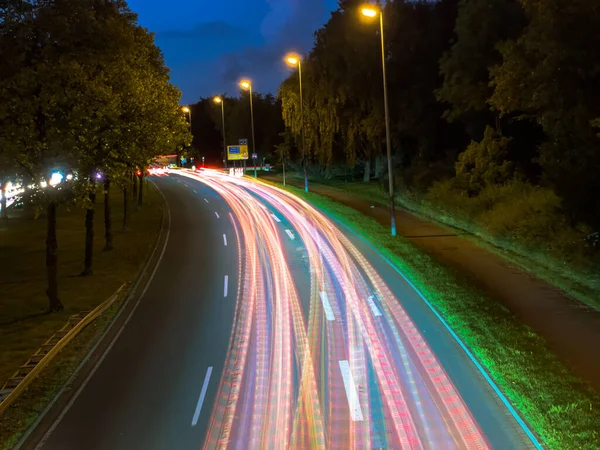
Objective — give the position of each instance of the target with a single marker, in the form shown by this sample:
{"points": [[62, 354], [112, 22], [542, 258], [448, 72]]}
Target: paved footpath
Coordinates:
{"points": [[571, 329]]}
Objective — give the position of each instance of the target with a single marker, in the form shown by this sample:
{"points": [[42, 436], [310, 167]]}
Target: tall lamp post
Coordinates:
{"points": [[370, 11], [247, 85], [219, 100], [295, 60], [188, 111]]}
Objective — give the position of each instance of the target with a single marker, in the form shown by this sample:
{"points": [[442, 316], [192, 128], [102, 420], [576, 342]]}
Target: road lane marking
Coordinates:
{"points": [[225, 239], [276, 218], [217, 214], [290, 234], [195, 191], [350, 387], [225, 286], [326, 306], [206, 200], [262, 206], [202, 395], [373, 306]]}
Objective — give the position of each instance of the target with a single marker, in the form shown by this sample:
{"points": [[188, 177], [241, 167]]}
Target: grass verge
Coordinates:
{"points": [[24, 325], [562, 409]]}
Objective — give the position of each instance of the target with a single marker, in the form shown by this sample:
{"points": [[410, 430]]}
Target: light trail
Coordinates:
{"points": [[358, 375]]}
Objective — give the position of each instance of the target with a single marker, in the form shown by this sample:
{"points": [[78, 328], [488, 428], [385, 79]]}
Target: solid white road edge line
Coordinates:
{"points": [[225, 286], [326, 306], [353, 403], [202, 395]]}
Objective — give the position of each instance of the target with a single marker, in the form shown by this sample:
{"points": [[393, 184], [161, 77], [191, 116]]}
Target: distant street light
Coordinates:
{"points": [[247, 85], [370, 11], [188, 111], [218, 100], [295, 60]]}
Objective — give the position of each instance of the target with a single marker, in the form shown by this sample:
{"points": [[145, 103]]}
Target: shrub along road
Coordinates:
{"points": [[571, 329]]}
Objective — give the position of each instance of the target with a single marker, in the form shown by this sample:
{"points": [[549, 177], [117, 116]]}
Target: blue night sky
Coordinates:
{"points": [[209, 45]]}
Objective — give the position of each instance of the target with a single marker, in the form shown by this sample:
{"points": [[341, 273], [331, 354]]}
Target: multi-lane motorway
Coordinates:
{"points": [[268, 325]]}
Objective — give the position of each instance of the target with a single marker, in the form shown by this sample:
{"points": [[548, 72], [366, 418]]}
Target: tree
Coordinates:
{"points": [[480, 26], [284, 149], [550, 74], [77, 70], [340, 97], [419, 33]]}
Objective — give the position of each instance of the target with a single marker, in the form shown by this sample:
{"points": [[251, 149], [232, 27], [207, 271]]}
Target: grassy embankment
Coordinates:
{"points": [[24, 324], [559, 407]]}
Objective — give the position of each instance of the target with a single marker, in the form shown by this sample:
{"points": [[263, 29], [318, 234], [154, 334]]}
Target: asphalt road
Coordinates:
{"points": [[267, 326]]}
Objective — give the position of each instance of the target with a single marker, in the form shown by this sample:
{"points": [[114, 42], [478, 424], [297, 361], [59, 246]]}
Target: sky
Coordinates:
{"points": [[210, 45]]}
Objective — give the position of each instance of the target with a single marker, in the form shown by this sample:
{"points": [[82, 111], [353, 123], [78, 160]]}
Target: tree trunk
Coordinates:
{"points": [[367, 174], [283, 165], [135, 188], [141, 189], [3, 204], [108, 239], [379, 166], [89, 238], [52, 259], [125, 209]]}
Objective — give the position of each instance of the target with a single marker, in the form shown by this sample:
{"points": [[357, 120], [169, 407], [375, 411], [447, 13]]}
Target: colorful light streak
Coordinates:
{"points": [[282, 386]]}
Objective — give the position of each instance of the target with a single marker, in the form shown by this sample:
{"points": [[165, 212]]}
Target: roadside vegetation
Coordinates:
{"points": [[94, 107], [562, 409]]}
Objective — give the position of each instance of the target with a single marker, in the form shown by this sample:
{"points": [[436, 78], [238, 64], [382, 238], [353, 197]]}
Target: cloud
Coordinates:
{"points": [[205, 30], [289, 25]]}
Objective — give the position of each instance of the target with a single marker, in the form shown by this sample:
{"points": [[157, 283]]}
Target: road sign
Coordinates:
{"points": [[243, 141], [237, 152]]}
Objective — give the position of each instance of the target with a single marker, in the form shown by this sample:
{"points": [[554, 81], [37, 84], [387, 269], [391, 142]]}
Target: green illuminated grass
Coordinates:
{"points": [[560, 408]]}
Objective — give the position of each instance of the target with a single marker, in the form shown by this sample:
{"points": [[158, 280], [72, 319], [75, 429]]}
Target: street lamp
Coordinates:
{"points": [[188, 111], [247, 86], [218, 100], [294, 60], [370, 11]]}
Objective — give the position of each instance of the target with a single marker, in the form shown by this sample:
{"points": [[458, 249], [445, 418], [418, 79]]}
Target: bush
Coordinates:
{"points": [[517, 216], [484, 163]]}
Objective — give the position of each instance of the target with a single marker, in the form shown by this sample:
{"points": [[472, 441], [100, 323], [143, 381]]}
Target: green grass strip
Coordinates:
{"points": [[562, 409]]}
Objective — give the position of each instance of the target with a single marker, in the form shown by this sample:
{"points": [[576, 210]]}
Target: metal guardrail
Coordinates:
{"points": [[17, 384]]}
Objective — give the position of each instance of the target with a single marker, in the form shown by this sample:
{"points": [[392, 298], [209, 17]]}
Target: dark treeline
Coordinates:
{"points": [[207, 125], [494, 106], [85, 105]]}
